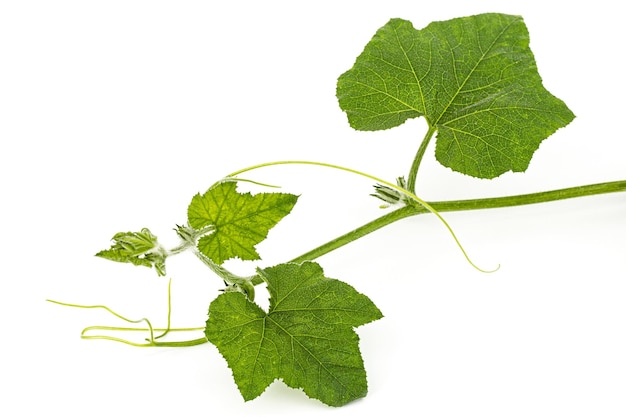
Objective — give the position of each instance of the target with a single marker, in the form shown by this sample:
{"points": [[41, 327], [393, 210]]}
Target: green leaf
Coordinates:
{"points": [[238, 221], [306, 338], [475, 81], [138, 248]]}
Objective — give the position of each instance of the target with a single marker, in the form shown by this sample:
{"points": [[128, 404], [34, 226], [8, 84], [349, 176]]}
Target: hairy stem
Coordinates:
{"points": [[414, 199], [410, 185], [462, 205], [433, 207]]}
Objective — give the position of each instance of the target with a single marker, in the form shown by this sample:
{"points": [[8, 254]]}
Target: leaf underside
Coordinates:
{"points": [[306, 338], [474, 79], [240, 221]]}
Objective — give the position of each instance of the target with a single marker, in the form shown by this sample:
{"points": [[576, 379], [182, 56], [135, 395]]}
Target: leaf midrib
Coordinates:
{"points": [[293, 339], [471, 72]]}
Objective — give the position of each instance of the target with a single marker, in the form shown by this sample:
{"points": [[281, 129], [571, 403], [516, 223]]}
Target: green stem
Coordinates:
{"points": [[418, 159], [190, 237], [462, 205], [395, 187], [359, 232], [353, 235], [434, 207], [244, 284], [532, 198]]}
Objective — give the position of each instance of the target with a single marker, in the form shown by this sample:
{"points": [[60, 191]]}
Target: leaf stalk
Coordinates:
{"points": [[418, 158]]}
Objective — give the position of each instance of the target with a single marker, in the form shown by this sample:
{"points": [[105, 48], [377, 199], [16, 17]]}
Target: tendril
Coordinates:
{"points": [[262, 184], [405, 192], [151, 340]]}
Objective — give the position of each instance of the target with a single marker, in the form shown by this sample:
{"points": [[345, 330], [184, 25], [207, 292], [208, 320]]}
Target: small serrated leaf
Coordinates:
{"points": [[239, 221], [475, 81], [137, 248], [306, 338]]}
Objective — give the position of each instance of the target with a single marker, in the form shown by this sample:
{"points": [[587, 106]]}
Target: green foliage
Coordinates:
{"points": [[138, 248], [306, 338], [475, 81], [238, 221]]}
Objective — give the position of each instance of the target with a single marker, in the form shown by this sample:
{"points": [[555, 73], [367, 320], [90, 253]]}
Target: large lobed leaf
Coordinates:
{"points": [[239, 221], [475, 81], [306, 338]]}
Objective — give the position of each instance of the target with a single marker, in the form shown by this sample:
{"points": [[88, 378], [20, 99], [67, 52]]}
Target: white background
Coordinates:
{"points": [[113, 114]]}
